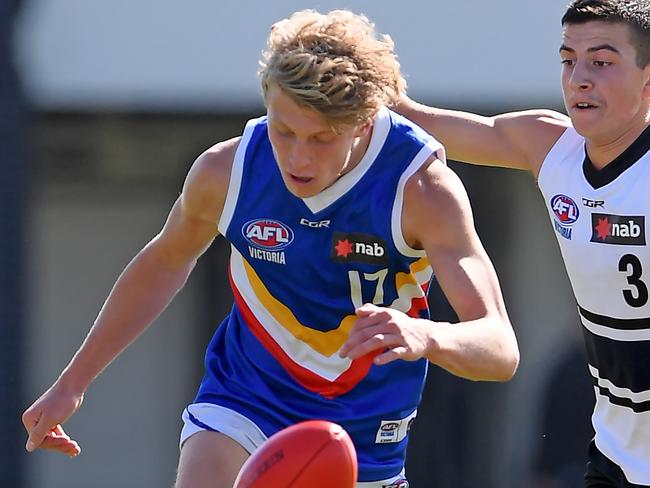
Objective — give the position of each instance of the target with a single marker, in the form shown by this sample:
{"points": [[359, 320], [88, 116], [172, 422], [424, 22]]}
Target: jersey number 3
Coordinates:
{"points": [[638, 297]]}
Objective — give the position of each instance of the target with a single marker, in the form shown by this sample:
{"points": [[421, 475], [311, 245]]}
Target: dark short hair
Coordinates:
{"points": [[633, 13]]}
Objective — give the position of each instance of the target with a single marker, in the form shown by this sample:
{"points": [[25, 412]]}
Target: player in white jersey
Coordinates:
{"points": [[327, 81], [594, 172]]}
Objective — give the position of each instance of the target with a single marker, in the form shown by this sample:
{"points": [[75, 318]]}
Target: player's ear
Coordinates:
{"points": [[646, 88], [363, 129]]}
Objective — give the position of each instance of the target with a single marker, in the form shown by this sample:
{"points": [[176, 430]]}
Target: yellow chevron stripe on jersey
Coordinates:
{"points": [[326, 343]]}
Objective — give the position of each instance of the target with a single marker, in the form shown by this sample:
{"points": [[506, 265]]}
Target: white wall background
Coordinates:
{"points": [[202, 54]]}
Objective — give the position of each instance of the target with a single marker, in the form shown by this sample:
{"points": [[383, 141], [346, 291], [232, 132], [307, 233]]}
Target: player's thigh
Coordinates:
{"points": [[209, 460]]}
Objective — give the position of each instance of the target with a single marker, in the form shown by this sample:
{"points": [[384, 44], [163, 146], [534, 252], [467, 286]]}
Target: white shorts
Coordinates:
{"points": [[198, 417]]}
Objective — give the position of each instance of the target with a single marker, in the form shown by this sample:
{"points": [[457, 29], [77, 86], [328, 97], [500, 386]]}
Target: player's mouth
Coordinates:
{"points": [[584, 106], [301, 180]]}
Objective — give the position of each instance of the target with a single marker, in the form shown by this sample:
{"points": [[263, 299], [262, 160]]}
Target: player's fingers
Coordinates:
{"points": [[362, 323], [373, 343], [56, 443], [390, 355], [367, 309], [61, 444], [31, 417], [369, 314], [38, 433], [363, 330], [71, 450], [57, 430]]}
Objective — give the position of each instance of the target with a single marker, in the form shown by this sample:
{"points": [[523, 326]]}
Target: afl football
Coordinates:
{"points": [[310, 454]]}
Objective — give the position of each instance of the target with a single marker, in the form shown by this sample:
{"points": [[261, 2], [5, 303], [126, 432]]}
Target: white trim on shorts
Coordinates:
{"points": [[223, 420], [242, 430]]}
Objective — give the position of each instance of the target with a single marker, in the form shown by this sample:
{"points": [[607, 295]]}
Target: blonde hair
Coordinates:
{"points": [[333, 63]]}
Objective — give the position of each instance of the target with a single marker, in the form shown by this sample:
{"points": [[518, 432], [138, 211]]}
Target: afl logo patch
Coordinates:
{"points": [[565, 209], [390, 426], [267, 234]]}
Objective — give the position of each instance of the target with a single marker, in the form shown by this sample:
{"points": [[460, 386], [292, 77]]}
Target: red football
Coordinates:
{"points": [[311, 454]]}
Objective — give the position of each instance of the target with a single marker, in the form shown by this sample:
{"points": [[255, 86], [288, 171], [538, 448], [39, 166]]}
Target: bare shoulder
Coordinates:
{"points": [[206, 184], [436, 206], [535, 132]]}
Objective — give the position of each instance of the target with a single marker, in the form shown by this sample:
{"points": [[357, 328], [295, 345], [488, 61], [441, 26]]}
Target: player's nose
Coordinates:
{"points": [[299, 157], [580, 78]]}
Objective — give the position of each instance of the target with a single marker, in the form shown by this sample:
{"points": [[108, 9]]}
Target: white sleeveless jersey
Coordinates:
{"points": [[600, 221]]}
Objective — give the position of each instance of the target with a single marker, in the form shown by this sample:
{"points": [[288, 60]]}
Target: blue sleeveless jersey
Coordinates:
{"points": [[298, 269]]}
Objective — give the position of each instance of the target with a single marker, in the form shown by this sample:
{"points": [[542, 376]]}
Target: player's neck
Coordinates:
{"points": [[602, 152]]}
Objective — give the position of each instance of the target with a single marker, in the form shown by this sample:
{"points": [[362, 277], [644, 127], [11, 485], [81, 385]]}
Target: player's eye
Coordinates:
{"points": [[324, 138], [282, 131], [568, 62]]}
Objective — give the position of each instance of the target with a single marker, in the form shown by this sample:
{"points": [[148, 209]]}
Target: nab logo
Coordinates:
{"points": [[618, 229], [267, 234], [565, 209], [358, 248]]}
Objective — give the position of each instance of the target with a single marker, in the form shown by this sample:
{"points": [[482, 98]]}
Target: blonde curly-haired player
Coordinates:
{"points": [[338, 211]]}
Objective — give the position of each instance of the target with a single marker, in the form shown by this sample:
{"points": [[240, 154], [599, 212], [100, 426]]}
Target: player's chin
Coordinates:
{"points": [[302, 192], [587, 122]]}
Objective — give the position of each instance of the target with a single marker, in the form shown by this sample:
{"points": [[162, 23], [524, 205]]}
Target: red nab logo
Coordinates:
{"points": [[267, 234], [565, 209], [628, 230], [358, 248]]}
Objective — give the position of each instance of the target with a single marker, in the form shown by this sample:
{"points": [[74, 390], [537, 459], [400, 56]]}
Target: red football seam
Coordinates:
{"points": [[308, 463]]}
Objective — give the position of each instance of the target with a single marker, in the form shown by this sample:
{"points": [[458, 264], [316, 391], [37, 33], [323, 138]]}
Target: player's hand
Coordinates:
{"points": [[44, 418], [401, 336]]}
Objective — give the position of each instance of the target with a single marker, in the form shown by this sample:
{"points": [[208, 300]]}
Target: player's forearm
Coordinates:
{"points": [[141, 293], [484, 349]]}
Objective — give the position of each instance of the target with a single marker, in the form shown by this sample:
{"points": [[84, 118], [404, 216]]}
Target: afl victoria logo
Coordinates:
{"points": [[267, 234], [565, 209]]}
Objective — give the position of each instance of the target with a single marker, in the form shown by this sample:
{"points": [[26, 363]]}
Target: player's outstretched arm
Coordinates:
{"points": [[518, 140], [437, 218], [141, 293]]}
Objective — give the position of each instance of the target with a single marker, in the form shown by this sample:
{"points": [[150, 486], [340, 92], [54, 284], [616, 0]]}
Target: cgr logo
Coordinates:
{"points": [[267, 234], [593, 203], [315, 225], [565, 209], [618, 229]]}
